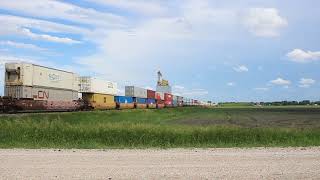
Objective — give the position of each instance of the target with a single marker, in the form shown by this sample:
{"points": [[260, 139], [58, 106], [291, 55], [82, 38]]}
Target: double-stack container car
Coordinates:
{"points": [[160, 100], [151, 101], [168, 100], [139, 95], [99, 94], [124, 102], [34, 87], [140, 103]]}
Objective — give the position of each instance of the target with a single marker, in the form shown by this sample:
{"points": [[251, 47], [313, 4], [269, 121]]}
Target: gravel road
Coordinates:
{"points": [[233, 163]]}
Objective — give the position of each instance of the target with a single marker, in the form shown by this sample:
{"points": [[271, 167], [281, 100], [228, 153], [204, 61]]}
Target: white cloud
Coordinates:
{"points": [[61, 10], [139, 6], [306, 82], [281, 82], [21, 26], [231, 84], [22, 45], [241, 68], [264, 22], [47, 37], [301, 56]]}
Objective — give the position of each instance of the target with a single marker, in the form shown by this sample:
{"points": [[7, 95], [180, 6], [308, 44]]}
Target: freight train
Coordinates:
{"points": [[33, 88]]}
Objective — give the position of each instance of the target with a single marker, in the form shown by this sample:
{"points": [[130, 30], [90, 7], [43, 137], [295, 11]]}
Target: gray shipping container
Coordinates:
{"points": [[41, 93], [136, 92]]}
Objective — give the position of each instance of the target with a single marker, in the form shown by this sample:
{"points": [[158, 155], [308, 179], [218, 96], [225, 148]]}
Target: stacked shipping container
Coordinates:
{"points": [[160, 99], [41, 86], [140, 96], [98, 93], [151, 101], [168, 100]]}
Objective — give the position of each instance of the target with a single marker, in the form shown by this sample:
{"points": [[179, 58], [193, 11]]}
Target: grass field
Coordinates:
{"points": [[166, 128]]}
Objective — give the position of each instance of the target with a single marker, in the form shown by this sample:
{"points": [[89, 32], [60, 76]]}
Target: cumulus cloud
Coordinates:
{"points": [[265, 22], [301, 56], [281, 82], [241, 68], [306, 82]]}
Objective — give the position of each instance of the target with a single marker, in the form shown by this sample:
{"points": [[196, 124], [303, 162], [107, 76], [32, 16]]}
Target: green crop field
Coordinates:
{"points": [[166, 128]]}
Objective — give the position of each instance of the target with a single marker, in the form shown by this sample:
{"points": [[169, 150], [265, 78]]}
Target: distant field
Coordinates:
{"points": [[166, 128]]}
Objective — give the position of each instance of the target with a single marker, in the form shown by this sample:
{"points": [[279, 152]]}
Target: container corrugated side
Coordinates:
{"points": [[168, 97], [159, 95], [140, 100], [99, 101], [38, 93], [151, 101], [123, 99], [151, 94], [39, 76], [136, 92], [93, 85]]}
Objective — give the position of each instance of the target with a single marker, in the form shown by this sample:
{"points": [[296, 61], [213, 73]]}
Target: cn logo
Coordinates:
{"points": [[43, 95]]}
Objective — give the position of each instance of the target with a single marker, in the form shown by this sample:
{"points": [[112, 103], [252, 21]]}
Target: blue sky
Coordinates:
{"points": [[211, 50]]}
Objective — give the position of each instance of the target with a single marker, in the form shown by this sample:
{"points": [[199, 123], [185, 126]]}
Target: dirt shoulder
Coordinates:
{"points": [[232, 163]]}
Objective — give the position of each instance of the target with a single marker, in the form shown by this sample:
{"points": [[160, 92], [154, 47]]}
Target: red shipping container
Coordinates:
{"points": [[151, 94], [168, 99], [160, 104], [159, 96]]}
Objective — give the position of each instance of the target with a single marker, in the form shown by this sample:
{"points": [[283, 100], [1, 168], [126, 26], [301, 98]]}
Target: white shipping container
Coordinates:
{"points": [[39, 93], [26, 74], [136, 92], [93, 85]]}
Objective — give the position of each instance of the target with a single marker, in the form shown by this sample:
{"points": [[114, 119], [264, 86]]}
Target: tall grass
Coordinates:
{"points": [[135, 129], [63, 135]]}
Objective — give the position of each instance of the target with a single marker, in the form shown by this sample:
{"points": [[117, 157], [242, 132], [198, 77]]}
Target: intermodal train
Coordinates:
{"points": [[34, 88]]}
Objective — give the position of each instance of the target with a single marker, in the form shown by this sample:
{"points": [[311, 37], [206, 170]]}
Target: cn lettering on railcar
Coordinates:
{"points": [[43, 95]]}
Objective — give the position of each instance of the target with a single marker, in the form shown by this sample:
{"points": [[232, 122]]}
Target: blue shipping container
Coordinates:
{"points": [[140, 100], [151, 101], [123, 99]]}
